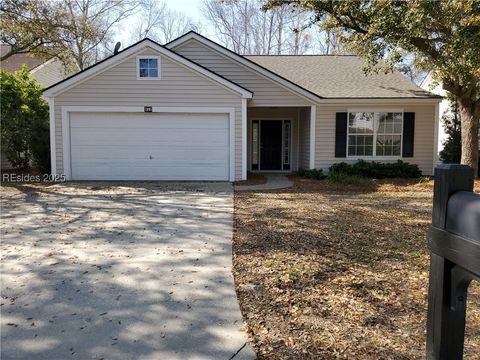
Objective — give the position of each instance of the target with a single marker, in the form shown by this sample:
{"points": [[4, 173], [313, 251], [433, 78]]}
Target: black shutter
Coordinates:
{"points": [[341, 135], [408, 133]]}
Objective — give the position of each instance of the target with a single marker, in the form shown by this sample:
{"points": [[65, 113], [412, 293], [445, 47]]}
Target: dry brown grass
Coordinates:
{"points": [[325, 273]]}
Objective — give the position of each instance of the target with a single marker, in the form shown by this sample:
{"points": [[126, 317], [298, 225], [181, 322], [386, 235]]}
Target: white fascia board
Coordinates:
{"points": [[35, 69], [425, 82], [313, 135], [244, 139], [247, 63], [53, 145], [114, 60], [66, 110]]}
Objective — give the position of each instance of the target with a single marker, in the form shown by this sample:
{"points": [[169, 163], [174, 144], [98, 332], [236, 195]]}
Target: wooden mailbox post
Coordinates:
{"points": [[454, 243]]}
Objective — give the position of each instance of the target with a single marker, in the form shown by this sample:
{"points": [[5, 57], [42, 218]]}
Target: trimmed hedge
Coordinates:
{"points": [[342, 178], [312, 174], [378, 170]]}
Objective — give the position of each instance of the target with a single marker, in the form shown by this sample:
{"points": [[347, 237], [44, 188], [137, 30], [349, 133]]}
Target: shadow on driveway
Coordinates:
{"points": [[118, 271]]}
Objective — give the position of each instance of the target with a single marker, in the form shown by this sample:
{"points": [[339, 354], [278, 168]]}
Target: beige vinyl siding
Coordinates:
{"points": [[179, 86], [423, 143], [276, 114], [304, 139], [49, 73], [266, 92]]}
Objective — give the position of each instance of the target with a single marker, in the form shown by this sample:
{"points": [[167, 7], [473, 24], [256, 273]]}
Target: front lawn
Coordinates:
{"points": [[326, 271]]}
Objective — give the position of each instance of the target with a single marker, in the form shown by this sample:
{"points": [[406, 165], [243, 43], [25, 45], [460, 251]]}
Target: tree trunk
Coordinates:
{"points": [[469, 115]]}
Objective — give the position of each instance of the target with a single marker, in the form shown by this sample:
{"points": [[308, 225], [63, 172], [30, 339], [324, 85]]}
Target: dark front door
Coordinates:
{"points": [[271, 145]]}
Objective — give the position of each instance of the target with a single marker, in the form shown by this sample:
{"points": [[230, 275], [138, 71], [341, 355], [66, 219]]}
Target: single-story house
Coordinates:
{"points": [[194, 110], [46, 71], [444, 106]]}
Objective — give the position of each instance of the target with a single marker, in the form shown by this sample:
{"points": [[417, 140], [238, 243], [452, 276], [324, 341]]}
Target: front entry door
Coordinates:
{"points": [[271, 145]]}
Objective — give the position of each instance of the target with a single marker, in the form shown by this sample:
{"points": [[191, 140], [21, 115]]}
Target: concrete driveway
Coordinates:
{"points": [[119, 271]]}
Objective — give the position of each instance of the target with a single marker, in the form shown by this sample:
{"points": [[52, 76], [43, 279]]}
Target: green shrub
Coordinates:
{"points": [[25, 123], [342, 167], [39, 143], [378, 170], [341, 178], [316, 174]]}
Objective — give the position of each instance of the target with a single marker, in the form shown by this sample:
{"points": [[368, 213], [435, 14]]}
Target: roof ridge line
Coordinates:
{"points": [[248, 60], [147, 39]]}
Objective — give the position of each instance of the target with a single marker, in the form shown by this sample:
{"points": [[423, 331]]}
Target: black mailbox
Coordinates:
{"points": [[454, 243]]}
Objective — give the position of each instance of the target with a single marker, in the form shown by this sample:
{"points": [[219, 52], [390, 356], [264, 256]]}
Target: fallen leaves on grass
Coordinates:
{"points": [[324, 273]]}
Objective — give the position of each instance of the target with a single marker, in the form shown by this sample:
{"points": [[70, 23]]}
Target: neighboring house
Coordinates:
{"points": [[427, 84], [46, 72], [194, 110]]}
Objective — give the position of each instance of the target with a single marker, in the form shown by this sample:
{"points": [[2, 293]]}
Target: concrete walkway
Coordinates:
{"points": [[119, 271], [274, 182]]}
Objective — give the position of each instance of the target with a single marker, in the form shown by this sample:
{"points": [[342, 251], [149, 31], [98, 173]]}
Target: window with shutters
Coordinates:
{"points": [[374, 134]]}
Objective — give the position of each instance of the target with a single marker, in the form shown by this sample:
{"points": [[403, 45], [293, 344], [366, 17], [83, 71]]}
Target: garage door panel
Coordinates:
{"points": [[149, 146], [147, 157], [152, 121], [147, 173], [165, 137]]}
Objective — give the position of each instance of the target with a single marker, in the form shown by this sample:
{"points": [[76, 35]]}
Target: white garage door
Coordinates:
{"points": [[167, 146]]}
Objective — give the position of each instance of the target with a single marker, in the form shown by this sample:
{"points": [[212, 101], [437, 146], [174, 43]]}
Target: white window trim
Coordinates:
{"points": [[53, 146], [313, 135], [376, 157], [67, 110], [244, 138], [268, 118], [102, 66], [146, 57], [288, 143]]}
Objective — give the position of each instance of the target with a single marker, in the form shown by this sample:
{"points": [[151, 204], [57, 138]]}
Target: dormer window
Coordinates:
{"points": [[148, 67]]}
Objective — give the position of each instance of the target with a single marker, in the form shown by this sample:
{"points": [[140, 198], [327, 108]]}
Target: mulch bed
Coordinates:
{"points": [[328, 272]]}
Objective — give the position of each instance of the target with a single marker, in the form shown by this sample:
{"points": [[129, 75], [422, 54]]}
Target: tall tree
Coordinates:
{"points": [[72, 30], [300, 39], [231, 19], [25, 130], [34, 26], [90, 24], [160, 23], [175, 24], [329, 43], [242, 26], [442, 36], [452, 145], [150, 14]]}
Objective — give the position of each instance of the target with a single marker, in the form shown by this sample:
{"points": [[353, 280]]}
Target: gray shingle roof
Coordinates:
{"points": [[339, 77], [16, 61]]}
